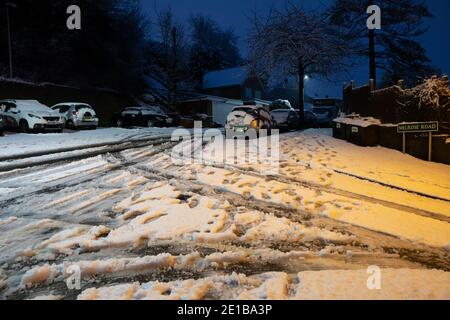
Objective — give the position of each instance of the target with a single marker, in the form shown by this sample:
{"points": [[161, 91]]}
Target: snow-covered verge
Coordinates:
{"points": [[328, 285], [20, 144], [319, 150]]}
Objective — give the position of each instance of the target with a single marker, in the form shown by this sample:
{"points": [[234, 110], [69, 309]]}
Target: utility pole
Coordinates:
{"points": [[12, 5], [301, 89], [372, 62]]}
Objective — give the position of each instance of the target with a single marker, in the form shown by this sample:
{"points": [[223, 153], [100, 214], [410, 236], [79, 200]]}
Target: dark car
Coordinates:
{"points": [[286, 119], [310, 120], [140, 117]]}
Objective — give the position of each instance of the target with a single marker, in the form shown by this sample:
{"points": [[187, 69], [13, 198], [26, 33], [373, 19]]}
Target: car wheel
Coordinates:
{"points": [[24, 127], [70, 125]]}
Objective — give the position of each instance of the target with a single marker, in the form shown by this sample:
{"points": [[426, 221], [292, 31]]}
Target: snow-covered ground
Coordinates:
{"points": [[139, 226], [20, 144]]}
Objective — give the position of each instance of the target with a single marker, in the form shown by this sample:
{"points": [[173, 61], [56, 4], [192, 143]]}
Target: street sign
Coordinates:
{"points": [[418, 127]]}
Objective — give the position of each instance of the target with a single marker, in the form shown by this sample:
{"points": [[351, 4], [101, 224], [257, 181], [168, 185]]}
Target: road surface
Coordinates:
{"points": [[137, 225]]}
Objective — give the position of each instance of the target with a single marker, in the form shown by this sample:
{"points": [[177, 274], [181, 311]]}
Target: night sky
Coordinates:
{"points": [[234, 14]]}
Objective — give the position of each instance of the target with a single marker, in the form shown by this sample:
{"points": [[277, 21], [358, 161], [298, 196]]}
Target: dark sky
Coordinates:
{"points": [[234, 14]]}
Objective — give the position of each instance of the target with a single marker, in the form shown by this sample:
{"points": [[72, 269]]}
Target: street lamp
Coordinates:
{"points": [[12, 5]]}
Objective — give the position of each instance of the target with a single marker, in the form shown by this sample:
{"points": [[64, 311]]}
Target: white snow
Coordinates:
{"points": [[403, 284], [117, 224], [31, 105], [358, 121], [20, 144]]}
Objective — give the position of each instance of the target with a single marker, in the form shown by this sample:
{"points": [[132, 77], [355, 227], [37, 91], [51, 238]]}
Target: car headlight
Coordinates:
{"points": [[34, 116], [254, 124]]}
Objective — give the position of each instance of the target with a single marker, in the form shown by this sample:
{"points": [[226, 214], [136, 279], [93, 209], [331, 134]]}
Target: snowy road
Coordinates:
{"points": [[139, 226]]}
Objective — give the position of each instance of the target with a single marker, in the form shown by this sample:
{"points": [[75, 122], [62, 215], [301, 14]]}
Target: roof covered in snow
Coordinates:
{"points": [[225, 77]]}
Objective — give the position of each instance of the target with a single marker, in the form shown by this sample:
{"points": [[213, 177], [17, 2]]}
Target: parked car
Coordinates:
{"points": [[30, 115], [77, 115], [280, 104], [286, 119], [326, 111], [324, 116], [140, 117], [310, 119], [245, 118]]}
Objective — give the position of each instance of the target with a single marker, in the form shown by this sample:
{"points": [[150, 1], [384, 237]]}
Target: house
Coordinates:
{"points": [[211, 110], [233, 83]]}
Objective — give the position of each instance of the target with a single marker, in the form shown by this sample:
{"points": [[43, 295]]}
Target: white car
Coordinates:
{"points": [[77, 115], [244, 119], [30, 115]]}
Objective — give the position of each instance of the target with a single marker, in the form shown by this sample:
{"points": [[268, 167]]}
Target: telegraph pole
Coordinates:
{"points": [[372, 53], [12, 5]]}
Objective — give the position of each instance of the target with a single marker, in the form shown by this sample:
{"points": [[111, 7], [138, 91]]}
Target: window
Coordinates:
{"points": [[82, 106], [64, 109], [9, 106]]}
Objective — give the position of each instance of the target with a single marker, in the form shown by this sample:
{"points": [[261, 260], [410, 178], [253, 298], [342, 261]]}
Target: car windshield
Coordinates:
{"points": [[78, 107]]}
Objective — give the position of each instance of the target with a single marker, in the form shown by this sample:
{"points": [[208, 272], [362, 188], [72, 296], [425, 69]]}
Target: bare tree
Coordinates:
{"points": [[293, 41], [172, 52]]}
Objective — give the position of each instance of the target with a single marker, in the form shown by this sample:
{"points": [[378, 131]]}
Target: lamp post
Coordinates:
{"points": [[12, 5]]}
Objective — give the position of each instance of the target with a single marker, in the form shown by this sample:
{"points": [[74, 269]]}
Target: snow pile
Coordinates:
{"points": [[115, 267], [363, 122], [399, 284], [264, 227]]}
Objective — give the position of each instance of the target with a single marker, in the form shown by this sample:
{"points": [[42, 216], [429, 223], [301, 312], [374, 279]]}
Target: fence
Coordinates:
{"points": [[391, 106], [384, 104]]}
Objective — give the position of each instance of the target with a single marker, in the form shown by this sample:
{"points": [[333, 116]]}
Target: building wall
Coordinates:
{"points": [[221, 111], [217, 111]]}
